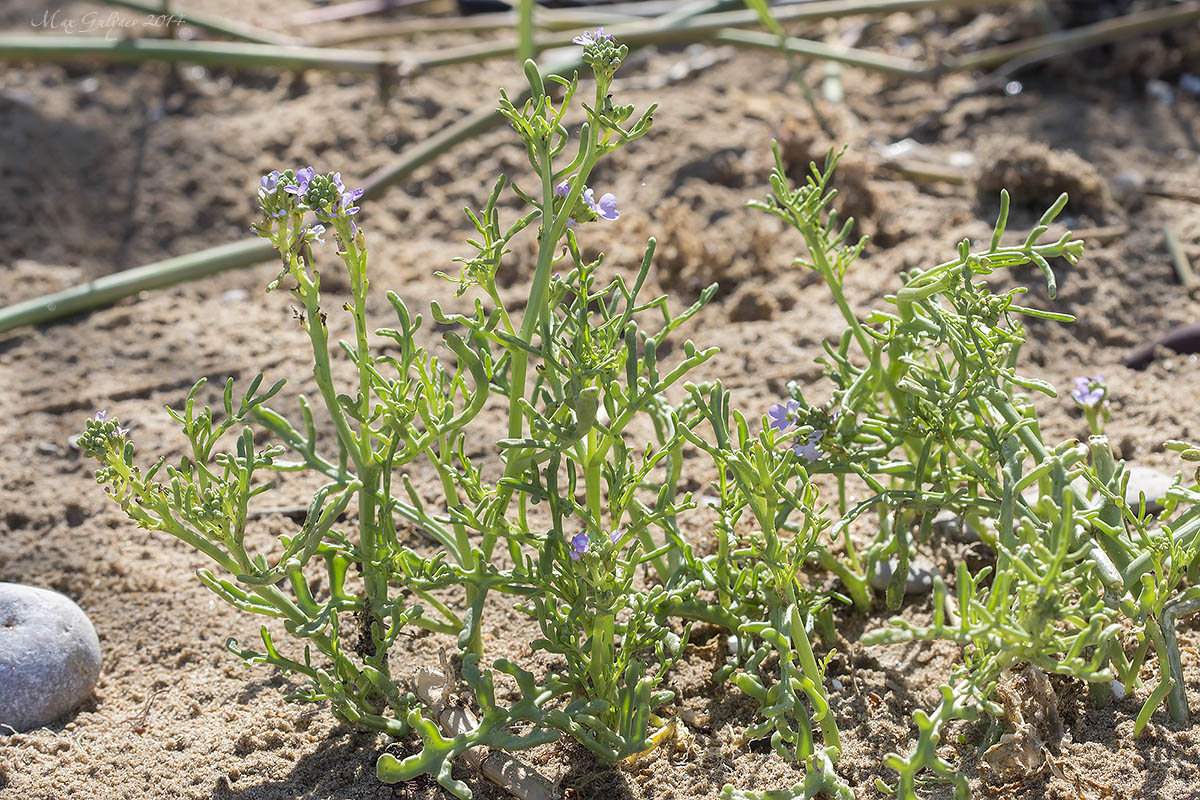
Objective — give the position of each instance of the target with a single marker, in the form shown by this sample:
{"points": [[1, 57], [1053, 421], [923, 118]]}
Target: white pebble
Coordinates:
{"points": [[49, 656]]}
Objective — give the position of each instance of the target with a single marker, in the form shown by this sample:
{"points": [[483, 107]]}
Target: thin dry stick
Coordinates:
{"points": [[138, 721], [1183, 267], [927, 172], [359, 8], [1100, 235], [546, 18], [1172, 192], [221, 27], [1059, 43], [25, 47], [829, 9], [111, 288], [640, 33], [880, 62]]}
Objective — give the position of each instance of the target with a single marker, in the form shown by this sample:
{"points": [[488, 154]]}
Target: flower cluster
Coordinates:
{"points": [[101, 436], [1090, 395], [114, 427], [1089, 392], [601, 52], [297, 191], [274, 203]]}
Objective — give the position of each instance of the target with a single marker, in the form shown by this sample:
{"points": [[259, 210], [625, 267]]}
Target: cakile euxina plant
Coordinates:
{"points": [[579, 526], [929, 414]]}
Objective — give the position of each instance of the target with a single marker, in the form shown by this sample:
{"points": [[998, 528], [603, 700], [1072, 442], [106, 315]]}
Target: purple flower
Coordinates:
{"points": [[100, 415], [303, 176], [591, 37], [579, 546], [808, 451], [349, 199], [606, 208], [317, 231], [1088, 392], [781, 415], [563, 188], [269, 182]]}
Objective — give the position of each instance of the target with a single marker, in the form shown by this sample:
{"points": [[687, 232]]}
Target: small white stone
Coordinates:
{"points": [[836, 684], [962, 159], [1129, 188], [1118, 690], [1161, 91], [945, 524], [49, 656]]}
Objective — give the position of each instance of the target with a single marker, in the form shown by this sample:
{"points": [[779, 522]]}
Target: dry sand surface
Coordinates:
{"points": [[102, 169]]}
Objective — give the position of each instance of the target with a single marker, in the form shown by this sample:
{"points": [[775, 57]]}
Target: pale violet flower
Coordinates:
{"points": [[579, 546], [605, 208], [563, 188], [780, 416], [808, 451], [1088, 392], [349, 198], [591, 37], [303, 177]]}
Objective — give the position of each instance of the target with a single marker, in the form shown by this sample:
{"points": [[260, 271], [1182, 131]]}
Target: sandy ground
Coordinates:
{"points": [[103, 169]]}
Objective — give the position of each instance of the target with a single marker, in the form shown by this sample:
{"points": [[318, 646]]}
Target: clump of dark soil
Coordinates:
{"points": [[1035, 175]]}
